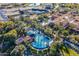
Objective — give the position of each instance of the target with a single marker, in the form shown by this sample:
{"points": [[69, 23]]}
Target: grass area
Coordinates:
{"points": [[69, 52]]}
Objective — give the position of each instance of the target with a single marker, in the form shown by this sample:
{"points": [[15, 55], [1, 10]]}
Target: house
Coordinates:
{"points": [[3, 17]]}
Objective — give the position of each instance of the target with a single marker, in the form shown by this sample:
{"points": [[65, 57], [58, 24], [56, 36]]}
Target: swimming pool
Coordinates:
{"points": [[41, 41]]}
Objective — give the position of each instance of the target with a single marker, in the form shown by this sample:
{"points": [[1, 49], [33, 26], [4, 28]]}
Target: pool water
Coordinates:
{"points": [[41, 41], [39, 11]]}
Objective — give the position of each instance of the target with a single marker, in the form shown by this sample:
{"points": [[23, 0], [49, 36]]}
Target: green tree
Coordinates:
{"points": [[9, 39]]}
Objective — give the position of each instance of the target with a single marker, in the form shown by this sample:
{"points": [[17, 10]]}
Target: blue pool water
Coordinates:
{"points": [[41, 41], [39, 11]]}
